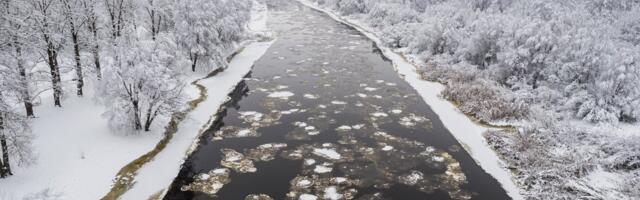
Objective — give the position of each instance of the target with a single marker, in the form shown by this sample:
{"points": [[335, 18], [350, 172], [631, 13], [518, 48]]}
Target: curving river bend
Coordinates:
{"points": [[324, 116]]}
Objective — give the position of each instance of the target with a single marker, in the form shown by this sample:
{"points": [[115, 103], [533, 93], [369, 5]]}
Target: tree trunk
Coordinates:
{"points": [[136, 118], [52, 55], [5, 166], [24, 84], [96, 61], [76, 51], [148, 121], [194, 61]]}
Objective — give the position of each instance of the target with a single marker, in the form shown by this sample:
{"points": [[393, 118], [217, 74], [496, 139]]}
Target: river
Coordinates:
{"points": [[323, 115]]}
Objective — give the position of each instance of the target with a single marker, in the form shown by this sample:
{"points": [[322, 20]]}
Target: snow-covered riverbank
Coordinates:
{"points": [[462, 127], [77, 154], [158, 174]]}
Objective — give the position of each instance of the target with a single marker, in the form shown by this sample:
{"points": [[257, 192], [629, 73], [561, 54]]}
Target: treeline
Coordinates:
{"points": [[134, 52]]}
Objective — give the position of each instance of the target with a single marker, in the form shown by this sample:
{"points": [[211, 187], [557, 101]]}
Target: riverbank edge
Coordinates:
{"points": [[466, 129], [191, 124]]}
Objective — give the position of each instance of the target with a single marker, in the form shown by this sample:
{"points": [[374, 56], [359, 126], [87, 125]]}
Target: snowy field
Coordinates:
{"points": [[74, 149]]}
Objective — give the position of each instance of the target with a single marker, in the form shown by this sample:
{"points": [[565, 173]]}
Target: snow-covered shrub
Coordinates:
{"points": [[348, 7], [437, 36], [481, 48], [484, 100]]}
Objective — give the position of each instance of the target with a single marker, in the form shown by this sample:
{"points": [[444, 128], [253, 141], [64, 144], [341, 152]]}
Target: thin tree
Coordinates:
{"points": [[92, 25], [5, 167], [16, 33], [75, 21], [46, 24]]}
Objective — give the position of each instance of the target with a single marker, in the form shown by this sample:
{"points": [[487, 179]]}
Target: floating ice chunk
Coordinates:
{"points": [[325, 63], [310, 96], [280, 87], [396, 111], [336, 102], [290, 111], [280, 57], [244, 133], [343, 128], [391, 84], [411, 178], [379, 114], [308, 197], [314, 133], [258, 197], [281, 94], [309, 161], [357, 126], [236, 161], [379, 81], [331, 193], [339, 180], [322, 106], [310, 128], [362, 95], [300, 124], [209, 183], [387, 148], [327, 153], [438, 158], [321, 169], [370, 89], [276, 77], [251, 115]]}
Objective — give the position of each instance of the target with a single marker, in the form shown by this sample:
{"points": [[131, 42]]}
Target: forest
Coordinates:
{"points": [[135, 55]]}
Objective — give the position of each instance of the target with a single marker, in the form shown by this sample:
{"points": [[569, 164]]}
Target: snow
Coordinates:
{"points": [[338, 102], [321, 169], [307, 197], [327, 153], [332, 193], [281, 94], [158, 174], [75, 149], [467, 132]]}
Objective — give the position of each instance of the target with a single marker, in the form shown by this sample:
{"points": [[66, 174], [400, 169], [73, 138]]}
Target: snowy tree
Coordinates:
{"points": [[76, 20], [15, 137], [141, 85], [197, 34], [120, 12], [16, 36], [160, 15], [47, 20], [92, 20]]}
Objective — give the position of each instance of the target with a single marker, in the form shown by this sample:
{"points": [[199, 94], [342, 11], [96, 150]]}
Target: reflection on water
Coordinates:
{"points": [[324, 116]]}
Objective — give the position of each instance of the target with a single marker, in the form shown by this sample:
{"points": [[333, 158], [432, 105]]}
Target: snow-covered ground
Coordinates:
{"points": [[77, 155], [462, 127]]}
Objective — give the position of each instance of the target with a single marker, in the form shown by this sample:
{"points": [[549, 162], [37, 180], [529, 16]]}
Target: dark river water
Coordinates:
{"points": [[324, 116]]}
